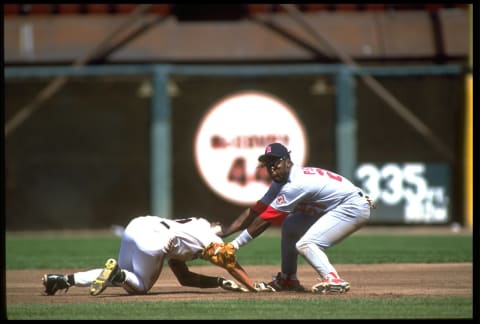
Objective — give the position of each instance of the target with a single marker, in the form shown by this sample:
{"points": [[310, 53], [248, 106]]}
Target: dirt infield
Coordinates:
{"points": [[375, 281]]}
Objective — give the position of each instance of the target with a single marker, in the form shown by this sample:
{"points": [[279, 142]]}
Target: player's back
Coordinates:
{"points": [[192, 235], [319, 186]]}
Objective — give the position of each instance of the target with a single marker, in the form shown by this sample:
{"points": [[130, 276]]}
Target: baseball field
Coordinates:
{"points": [[394, 273]]}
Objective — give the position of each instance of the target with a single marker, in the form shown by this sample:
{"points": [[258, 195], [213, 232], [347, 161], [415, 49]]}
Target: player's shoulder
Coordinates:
{"points": [[305, 176], [301, 172]]}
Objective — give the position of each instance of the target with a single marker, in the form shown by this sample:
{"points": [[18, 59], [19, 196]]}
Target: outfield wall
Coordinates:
{"points": [[117, 141]]}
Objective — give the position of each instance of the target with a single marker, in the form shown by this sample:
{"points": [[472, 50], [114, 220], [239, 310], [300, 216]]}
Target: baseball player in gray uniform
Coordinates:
{"points": [[316, 208], [146, 243]]}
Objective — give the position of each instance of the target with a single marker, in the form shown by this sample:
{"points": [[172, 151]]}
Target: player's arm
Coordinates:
{"points": [[192, 279], [223, 255], [241, 275], [245, 219], [259, 224], [240, 223]]}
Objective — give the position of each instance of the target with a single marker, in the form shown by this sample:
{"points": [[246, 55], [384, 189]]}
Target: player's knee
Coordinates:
{"points": [[301, 247], [133, 289]]}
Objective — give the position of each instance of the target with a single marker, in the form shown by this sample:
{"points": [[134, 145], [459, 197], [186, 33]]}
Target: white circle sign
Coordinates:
{"points": [[234, 133]]}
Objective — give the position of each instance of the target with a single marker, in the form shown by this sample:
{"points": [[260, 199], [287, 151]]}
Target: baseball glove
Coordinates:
{"points": [[220, 254]]}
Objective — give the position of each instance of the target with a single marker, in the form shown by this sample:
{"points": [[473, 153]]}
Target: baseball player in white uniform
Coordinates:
{"points": [[146, 243], [316, 209]]}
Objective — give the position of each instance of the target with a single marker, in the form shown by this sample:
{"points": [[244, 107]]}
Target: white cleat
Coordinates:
{"points": [[331, 285]]}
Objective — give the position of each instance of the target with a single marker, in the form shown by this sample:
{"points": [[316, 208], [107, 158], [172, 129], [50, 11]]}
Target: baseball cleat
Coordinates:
{"points": [[110, 270], [331, 284], [55, 282], [285, 284]]}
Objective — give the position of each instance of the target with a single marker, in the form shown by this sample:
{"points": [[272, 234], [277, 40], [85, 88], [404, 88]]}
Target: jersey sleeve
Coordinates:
{"points": [[273, 216], [271, 193], [259, 207]]}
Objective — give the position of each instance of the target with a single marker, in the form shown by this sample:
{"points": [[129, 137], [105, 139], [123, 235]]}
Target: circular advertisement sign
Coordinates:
{"points": [[234, 133]]}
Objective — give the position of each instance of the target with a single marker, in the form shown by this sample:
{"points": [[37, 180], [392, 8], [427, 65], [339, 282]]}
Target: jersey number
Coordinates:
{"points": [[322, 172]]}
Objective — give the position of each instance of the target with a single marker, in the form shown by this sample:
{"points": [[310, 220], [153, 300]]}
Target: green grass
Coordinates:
{"points": [[312, 308], [63, 251], [66, 252]]}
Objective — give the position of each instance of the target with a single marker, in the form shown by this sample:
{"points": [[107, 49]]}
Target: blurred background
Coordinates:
{"points": [[114, 111]]}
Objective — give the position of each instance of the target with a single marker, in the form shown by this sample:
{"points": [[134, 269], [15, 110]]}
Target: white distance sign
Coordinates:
{"points": [[234, 133]]}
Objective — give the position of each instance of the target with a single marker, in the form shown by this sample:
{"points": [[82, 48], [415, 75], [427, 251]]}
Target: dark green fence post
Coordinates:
{"points": [[346, 126], [160, 146]]}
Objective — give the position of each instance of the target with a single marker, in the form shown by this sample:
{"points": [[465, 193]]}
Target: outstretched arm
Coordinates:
{"points": [[257, 226], [192, 279], [223, 255], [242, 222], [241, 275]]}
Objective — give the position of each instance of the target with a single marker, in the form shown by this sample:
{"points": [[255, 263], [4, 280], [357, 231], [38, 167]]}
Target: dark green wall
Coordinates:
{"points": [[83, 161]]}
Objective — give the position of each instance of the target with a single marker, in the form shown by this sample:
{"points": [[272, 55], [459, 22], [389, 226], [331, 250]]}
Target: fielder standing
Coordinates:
{"points": [[146, 243], [316, 208]]}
